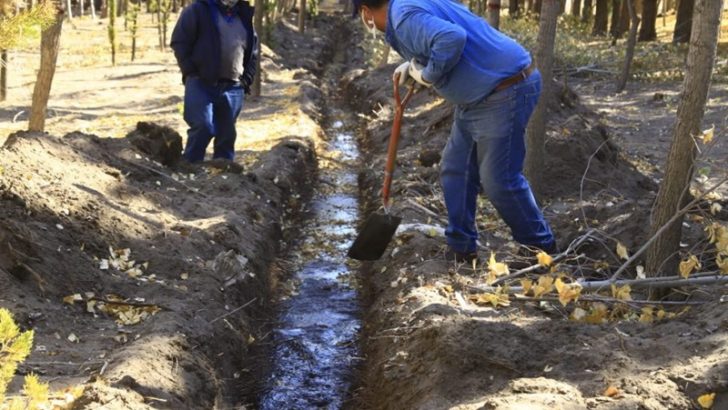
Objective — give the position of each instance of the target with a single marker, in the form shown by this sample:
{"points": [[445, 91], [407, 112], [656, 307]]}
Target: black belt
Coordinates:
{"points": [[511, 81]]}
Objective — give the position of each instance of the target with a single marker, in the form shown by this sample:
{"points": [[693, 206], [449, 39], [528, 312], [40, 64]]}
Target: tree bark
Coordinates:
{"points": [[69, 12], [576, 8], [92, 4], [302, 17], [601, 19], [112, 29], [494, 8], [537, 5], [536, 132], [80, 7], [683, 23], [3, 75], [49, 45], [663, 256], [624, 18], [257, 82], [586, 11], [631, 42], [615, 20], [513, 8], [649, 19]]}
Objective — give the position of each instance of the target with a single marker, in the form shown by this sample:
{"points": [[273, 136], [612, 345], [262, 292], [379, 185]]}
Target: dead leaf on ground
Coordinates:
{"points": [[611, 391], [622, 251], [706, 400]]}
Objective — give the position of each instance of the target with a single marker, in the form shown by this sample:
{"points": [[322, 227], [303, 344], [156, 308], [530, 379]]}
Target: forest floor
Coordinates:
{"points": [[207, 240]]}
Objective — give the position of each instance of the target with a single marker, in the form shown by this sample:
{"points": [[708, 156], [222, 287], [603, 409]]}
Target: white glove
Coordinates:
{"points": [[415, 71], [403, 72]]}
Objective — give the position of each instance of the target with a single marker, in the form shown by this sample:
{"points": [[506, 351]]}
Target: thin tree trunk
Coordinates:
{"points": [[49, 45], [614, 21], [81, 8], [662, 255], [112, 29], [536, 133], [69, 12], [494, 8], [624, 18], [601, 19], [537, 4], [513, 8], [586, 11], [302, 16], [159, 24], [257, 82], [576, 8], [4, 75], [631, 42], [92, 4], [683, 23], [649, 19]]}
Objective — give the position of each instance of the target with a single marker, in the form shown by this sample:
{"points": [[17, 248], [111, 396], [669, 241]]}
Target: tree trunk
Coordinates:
{"points": [[257, 82], [494, 7], [536, 133], [69, 12], [92, 4], [683, 24], [662, 256], [302, 16], [649, 19], [3, 75], [614, 21], [576, 8], [49, 45], [513, 8], [586, 11], [601, 19], [631, 42], [624, 18], [537, 4], [112, 29], [80, 7]]}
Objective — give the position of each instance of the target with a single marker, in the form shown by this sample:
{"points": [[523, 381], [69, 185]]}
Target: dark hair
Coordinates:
{"points": [[373, 4]]}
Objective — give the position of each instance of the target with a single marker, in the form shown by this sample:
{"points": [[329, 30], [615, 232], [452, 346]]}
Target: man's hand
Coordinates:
{"points": [[401, 73], [415, 71]]}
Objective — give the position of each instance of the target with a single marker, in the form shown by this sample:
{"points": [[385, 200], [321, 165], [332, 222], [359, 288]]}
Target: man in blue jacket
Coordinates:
{"points": [[216, 49], [494, 86]]}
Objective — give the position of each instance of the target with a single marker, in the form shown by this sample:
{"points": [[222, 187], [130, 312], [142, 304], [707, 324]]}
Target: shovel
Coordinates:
{"points": [[379, 229]]}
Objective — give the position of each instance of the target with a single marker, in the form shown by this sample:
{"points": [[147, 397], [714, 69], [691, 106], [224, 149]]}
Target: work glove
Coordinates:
{"points": [[415, 71], [403, 72]]}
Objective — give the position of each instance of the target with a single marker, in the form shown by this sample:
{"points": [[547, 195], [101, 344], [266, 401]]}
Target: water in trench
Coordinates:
{"points": [[315, 336]]}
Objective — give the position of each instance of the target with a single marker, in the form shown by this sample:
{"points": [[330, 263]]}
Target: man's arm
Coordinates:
{"points": [[428, 35], [251, 68], [183, 40]]}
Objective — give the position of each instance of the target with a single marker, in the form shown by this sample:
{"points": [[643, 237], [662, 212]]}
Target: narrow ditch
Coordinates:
{"points": [[315, 353]]}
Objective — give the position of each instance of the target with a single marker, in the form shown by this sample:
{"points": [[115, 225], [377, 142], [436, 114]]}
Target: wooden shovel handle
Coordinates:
{"points": [[400, 105]]}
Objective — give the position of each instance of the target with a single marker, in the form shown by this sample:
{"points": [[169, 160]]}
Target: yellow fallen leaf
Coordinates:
{"points": [[499, 298], [567, 292], [708, 135], [544, 285], [596, 315], [611, 391], [526, 284], [497, 268], [544, 259], [715, 208], [622, 251], [722, 264], [621, 293], [71, 299], [706, 400], [647, 315], [689, 265]]}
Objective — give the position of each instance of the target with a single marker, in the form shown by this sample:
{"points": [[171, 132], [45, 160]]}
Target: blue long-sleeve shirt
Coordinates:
{"points": [[464, 57]]}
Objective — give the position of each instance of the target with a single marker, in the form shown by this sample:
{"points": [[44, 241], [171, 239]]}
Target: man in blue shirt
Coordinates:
{"points": [[217, 50], [494, 86]]}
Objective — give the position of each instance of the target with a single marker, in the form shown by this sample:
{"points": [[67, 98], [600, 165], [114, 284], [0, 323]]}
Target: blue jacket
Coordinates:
{"points": [[464, 57], [196, 42]]}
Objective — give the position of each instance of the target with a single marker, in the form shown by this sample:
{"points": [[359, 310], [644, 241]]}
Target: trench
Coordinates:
{"points": [[315, 350]]}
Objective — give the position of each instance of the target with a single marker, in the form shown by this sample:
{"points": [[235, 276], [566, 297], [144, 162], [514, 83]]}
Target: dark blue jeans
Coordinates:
{"points": [[485, 151], [211, 111]]}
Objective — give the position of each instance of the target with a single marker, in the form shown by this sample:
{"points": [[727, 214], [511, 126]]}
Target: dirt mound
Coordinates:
{"points": [[429, 347], [97, 217]]}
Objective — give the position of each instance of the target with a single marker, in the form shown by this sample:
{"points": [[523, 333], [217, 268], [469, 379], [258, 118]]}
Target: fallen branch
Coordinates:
{"points": [[679, 214], [599, 285], [233, 311], [559, 257], [606, 299]]}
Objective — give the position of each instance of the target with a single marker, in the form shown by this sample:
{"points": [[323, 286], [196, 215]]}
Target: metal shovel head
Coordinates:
{"points": [[374, 237]]}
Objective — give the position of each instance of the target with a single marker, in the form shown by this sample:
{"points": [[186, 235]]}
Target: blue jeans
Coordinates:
{"points": [[485, 151], [211, 111]]}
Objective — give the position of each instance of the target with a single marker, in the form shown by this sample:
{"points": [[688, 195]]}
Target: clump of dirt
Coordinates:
{"points": [[161, 143], [428, 345]]}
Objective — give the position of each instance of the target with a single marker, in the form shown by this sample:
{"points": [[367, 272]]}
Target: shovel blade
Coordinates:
{"points": [[374, 237]]}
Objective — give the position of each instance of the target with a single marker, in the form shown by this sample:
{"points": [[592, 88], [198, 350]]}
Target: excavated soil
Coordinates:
{"points": [[428, 347]]}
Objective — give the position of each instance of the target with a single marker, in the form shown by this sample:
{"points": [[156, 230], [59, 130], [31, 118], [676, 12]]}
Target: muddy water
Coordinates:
{"points": [[315, 338]]}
